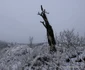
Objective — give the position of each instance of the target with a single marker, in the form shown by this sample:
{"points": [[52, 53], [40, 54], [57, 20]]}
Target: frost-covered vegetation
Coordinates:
{"points": [[70, 55], [68, 38]]}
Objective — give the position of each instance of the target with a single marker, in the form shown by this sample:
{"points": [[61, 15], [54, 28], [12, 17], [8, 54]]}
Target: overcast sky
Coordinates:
{"points": [[19, 19]]}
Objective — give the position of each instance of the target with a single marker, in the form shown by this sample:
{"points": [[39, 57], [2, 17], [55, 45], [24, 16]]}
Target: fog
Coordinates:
{"points": [[19, 19]]}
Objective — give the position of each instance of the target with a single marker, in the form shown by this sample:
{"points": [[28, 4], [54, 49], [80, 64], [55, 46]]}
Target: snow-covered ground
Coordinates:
{"points": [[22, 57]]}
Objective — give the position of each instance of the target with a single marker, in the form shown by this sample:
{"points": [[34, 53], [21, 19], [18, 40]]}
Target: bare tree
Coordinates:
{"points": [[31, 41], [50, 33]]}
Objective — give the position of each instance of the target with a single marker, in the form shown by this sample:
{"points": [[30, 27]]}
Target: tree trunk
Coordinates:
{"points": [[50, 33]]}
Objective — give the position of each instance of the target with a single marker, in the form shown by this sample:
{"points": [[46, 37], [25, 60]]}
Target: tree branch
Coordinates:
{"points": [[43, 23]]}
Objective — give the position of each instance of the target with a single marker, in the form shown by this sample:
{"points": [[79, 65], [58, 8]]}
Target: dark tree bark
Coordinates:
{"points": [[50, 33]]}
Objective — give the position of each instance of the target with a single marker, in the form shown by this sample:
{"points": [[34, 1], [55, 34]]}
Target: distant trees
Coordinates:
{"points": [[3, 45], [50, 33]]}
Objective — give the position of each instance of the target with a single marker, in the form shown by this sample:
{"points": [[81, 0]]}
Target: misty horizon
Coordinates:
{"points": [[19, 19]]}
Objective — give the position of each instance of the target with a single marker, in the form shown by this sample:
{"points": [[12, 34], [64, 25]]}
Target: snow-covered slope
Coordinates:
{"points": [[22, 57]]}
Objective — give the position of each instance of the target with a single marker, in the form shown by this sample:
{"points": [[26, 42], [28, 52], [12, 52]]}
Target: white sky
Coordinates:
{"points": [[19, 19]]}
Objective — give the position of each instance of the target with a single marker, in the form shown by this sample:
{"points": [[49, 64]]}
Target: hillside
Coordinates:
{"points": [[22, 57]]}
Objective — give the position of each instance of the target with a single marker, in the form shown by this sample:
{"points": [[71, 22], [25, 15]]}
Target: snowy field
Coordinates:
{"points": [[23, 57]]}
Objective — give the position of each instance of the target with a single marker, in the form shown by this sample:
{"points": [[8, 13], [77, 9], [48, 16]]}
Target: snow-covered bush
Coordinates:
{"points": [[68, 39]]}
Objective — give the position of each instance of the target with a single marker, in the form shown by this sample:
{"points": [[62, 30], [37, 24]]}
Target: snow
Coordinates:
{"points": [[15, 66], [22, 57]]}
